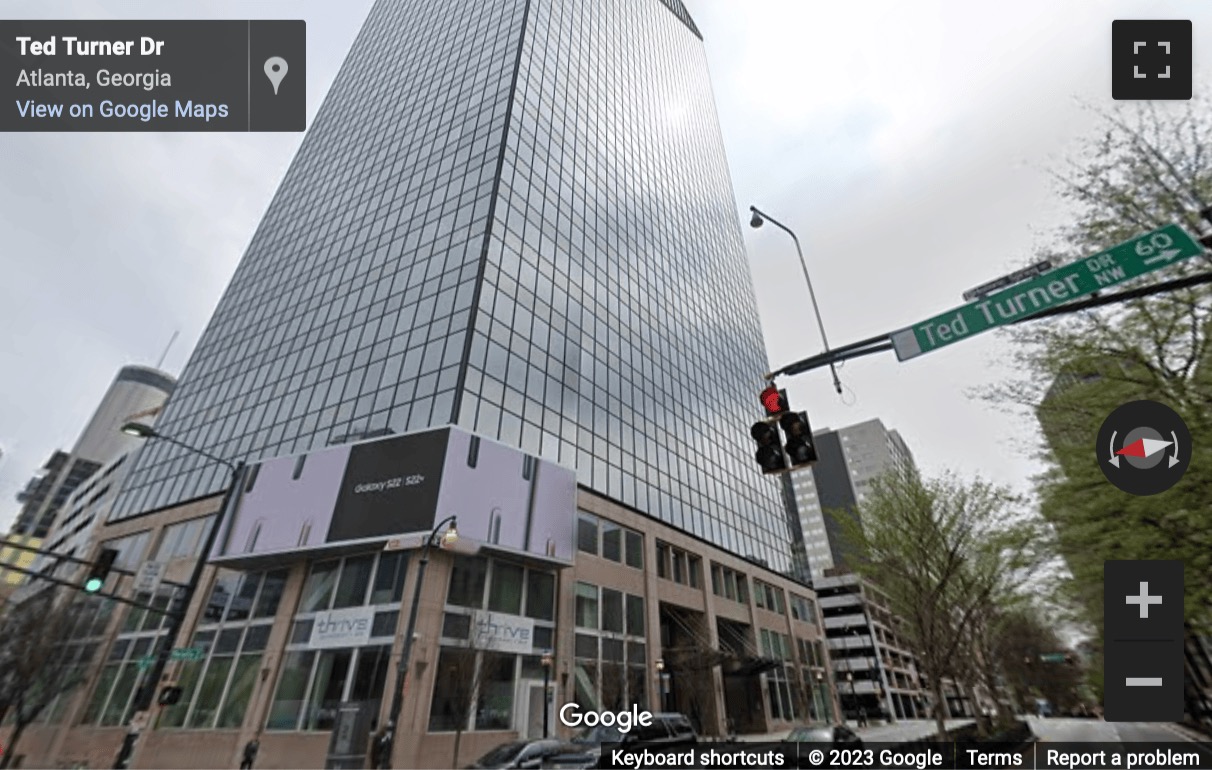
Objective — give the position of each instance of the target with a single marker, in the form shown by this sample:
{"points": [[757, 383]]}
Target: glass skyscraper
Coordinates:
{"points": [[515, 216]]}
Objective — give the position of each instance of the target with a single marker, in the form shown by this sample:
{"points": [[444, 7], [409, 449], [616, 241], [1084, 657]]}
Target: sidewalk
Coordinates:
{"points": [[901, 731]]}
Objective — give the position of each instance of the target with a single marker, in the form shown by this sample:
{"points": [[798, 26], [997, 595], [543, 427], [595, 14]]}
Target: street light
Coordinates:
{"points": [[147, 694], [397, 698], [756, 221], [547, 662]]}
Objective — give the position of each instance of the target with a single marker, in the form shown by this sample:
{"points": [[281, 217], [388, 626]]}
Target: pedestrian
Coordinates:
{"points": [[250, 754], [378, 747], [862, 720]]}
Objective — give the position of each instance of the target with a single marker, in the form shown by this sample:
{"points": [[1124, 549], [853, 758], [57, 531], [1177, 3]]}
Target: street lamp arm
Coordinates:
{"points": [[777, 224], [760, 216], [213, 458], [438, 528]]}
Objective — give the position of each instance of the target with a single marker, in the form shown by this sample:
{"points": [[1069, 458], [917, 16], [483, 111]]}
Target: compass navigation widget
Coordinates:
{"points": [[1143, 447]]}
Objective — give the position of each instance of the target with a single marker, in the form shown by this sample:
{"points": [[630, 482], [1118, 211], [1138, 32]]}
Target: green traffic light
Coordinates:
{"points": [[93, 585]]}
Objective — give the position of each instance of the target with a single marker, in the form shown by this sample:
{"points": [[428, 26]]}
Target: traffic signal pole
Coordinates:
{"points": [[151, 683]]}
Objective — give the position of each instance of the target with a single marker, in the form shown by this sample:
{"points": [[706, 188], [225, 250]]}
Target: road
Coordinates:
{"points": [[904, 730], [1062, 730], [899, 732]]}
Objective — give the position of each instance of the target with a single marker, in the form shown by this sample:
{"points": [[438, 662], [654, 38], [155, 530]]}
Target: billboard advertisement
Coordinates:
{"points": [[399, 487]]}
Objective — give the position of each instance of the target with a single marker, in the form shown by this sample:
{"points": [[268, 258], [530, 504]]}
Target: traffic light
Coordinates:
{"points": [[800, 449], [100, 570], [170, 696], [774, 401], [770, 449]]}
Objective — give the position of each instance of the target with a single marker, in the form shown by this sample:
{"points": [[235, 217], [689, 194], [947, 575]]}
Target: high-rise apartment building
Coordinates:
{"points": [[872, 664], [515, 217], [850, 460], [135, 390]]}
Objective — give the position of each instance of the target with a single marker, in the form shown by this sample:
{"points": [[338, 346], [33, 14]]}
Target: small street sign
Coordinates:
{"points": [[187, 653], [1017, 276], [146, 662], [1053, 657], [1143, 254], [149, 576]]}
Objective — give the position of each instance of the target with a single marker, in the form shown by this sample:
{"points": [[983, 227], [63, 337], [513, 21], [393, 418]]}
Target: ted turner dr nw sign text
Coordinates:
{"points": [[1143, 254]]}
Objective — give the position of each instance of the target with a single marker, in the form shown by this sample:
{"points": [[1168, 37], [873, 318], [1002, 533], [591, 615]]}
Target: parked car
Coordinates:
{"points": [[666, 730], [521, 754], [832, 736]]}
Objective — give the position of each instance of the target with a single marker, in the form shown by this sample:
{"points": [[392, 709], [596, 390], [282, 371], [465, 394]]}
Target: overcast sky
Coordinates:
{"points": [[907, 144]]}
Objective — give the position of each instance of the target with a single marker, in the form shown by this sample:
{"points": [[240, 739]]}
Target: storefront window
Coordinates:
{"points": [[292, 687], [540, 595], [389, 579], [326, 690], [355, 579], [451, 705], [271, 593], [494, 711], [505, 594], [467, 582], [587, 605], [317, 592]]}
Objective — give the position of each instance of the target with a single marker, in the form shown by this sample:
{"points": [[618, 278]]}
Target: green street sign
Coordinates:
{"points": [[187, 653], [146, 662], [1143, 254], [1053, 657]]}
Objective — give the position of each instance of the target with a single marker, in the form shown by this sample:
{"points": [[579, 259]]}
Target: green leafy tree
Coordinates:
{"points": [[943, 551], [1024, 638], [1150, 166]]}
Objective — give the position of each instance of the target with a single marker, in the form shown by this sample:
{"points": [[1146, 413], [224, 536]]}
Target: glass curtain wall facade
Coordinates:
{"points": [[515, 216]]}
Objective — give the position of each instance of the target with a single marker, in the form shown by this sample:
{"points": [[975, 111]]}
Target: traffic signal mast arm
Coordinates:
{"points": [[883, 342], [78, 586]]}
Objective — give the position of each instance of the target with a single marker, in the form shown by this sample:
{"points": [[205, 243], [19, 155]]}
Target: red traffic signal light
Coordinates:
{"points": [[800, 448], [774, 401], [769, 453]]}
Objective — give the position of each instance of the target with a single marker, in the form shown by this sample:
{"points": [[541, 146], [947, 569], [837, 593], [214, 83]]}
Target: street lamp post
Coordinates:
{"points": [[547, 661], [758, 219], [147, 693], [397, 697]]}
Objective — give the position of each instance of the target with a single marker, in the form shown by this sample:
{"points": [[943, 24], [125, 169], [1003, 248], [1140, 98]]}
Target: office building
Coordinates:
{"points": [[509, 233], [850, 460], [136, 390], [513, 217], [873, 665]]}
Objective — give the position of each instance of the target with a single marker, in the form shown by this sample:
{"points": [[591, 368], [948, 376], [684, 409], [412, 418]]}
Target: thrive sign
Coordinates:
{"points": [[342, 628], [502, 633]]}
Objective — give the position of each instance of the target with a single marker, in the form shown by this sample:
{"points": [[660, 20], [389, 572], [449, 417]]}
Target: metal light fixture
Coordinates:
{"points": [[138, 430], [756, 221], [451, 536]]}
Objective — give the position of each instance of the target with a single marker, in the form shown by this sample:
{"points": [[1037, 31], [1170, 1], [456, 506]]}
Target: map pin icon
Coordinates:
{"points": [[275, 70]]}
